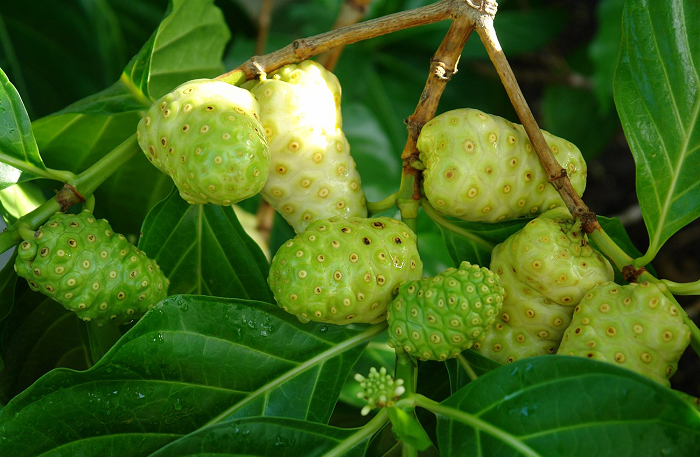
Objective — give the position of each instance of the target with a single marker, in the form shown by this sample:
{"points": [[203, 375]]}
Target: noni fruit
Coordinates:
{"points": [[207, 136], [312, 174], [546, 268], [344, 271], [480, 167], [633, 326], [437, 318], [81, 263]]}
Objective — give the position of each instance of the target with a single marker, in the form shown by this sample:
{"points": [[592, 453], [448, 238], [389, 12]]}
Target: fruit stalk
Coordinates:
{"points": [[87, 182], [557, 176]]}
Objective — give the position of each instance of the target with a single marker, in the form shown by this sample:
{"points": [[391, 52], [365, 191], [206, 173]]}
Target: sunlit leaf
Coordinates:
{"points": [[18, 149], [657, 93], [188, 44]]}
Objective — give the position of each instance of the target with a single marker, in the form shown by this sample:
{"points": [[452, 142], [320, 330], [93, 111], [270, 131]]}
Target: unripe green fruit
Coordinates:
{"points": [[480, 167], [312, 174], [633, 326], [344, 271], [81, 263], [438, 318], [207, 136], [546, 268]]}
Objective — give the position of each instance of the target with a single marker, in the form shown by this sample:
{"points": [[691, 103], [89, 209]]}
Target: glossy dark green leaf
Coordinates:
{"points": [[657, 93], [267, 437], [474, 241], [19, 154], [604, 49], [379, 165], [37, 336], [575, 113], [59, 52], [556, 405], [189, 362], [204, 250], [188, 44]]}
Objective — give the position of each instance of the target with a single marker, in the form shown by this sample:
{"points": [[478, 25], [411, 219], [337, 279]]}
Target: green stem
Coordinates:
{"points": [[688, 288], [135, 91], [444, 223], [369, 429], [25, 232], [85, 183], [48, 173], [464, 363], [608, 247], [88, 181], [408, 450], [476, 423], [406, 370], [90, 203], [379, 207]]}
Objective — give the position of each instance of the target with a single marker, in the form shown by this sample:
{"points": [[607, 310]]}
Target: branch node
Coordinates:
{"points": [[68, 196], [442, 72], [489, 7], [631, 273]]}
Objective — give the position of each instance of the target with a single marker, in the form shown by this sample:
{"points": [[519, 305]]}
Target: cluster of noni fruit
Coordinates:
{"points": [[546, 290]]}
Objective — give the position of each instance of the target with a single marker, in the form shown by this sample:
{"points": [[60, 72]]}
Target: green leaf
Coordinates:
{"points": [[76, 141], [407, 429], [188, 362], [474, 241], [115, 99], [203, 249], [476, 363], [37, 336], [604, 50], [18, 149], [573, 114], [379, 165], [59, 52], [8, 279], [18, 200], [188, 44], [657, 93], [267, 436], [557, 405]]}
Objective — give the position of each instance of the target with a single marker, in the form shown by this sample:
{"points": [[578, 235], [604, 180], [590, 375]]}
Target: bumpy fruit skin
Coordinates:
{"points": [[437, 318], [344, 271], [633, 326], [546, 268], [81, 263], [312, 174], [207, 136], [480, 167]]}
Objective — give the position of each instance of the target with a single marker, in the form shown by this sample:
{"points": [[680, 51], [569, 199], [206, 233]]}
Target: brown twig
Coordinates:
{"points": [[306, 48], [556, 174], [263, 26], [351, 12], [442, 66]]}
